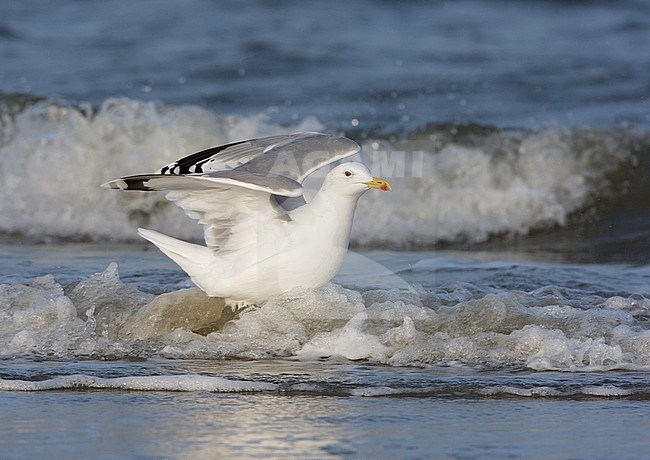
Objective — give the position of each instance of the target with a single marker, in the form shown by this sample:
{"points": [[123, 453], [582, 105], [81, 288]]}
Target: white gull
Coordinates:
{"points": [[262, 238]]}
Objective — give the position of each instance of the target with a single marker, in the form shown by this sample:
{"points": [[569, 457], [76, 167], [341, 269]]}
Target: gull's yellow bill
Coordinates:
{"points": [[381, 184]]}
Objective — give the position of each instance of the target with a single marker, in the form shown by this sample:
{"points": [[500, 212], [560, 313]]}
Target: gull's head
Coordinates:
{"points": [[352, 179]]}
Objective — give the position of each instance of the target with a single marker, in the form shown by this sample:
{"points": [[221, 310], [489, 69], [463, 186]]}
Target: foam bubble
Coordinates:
{"points": [[635, 304], [553, 350], [350, 342]]}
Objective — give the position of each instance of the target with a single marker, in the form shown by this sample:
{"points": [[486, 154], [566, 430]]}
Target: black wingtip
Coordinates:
{"points": [[193, 164], [129, 183]]}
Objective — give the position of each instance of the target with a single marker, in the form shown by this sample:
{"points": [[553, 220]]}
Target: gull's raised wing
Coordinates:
{"points": [[234, 189], [292, 155]]}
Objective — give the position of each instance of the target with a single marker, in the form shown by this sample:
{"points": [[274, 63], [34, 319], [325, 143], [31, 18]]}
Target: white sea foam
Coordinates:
{"points": [[54, 157], [517, 391], [102, 317], [606, 390], [142, 383], [545, 391], [380, 391]]}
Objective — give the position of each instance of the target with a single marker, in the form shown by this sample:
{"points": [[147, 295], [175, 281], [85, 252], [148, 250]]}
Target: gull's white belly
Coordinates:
{"points": [[307, 256], [283, 273]]}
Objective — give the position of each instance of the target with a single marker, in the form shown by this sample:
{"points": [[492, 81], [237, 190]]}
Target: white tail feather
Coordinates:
{"points": [[192, 258]]}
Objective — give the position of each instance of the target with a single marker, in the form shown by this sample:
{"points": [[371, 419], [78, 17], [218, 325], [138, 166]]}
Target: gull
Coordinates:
{"points": [[262, 238]]}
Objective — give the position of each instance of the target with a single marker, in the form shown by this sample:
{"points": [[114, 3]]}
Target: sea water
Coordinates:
{"points": [[416, 354], [495, 303]]}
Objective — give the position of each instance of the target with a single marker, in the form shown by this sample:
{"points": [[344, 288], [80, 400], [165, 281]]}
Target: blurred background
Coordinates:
{"points": [[372, 64]]}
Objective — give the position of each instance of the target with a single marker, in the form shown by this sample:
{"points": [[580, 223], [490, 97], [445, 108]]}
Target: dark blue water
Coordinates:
{"points": [[384, 65]]}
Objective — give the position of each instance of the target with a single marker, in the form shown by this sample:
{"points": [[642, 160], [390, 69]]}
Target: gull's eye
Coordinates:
{"points": [[348, 173]]}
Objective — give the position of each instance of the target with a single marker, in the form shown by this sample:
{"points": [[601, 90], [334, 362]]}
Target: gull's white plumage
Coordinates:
{"points": [[257, 247]]}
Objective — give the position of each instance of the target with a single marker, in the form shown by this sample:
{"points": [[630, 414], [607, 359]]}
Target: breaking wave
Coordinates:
{"points": [[451, 183]]}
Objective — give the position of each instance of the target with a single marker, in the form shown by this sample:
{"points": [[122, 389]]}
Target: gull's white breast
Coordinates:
{"points": [[303, 252]]}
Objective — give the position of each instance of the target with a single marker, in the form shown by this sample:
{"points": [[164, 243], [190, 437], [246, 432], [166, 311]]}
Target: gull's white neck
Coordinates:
{"points": [[324, 234], [332, 214]]}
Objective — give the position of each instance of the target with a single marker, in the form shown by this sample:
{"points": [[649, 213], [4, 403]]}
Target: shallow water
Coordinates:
{"points": [[309, 377], [329, 409]]}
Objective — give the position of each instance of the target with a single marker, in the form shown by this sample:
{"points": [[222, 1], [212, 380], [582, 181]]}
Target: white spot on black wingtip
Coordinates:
{"points": [[117, 184]]}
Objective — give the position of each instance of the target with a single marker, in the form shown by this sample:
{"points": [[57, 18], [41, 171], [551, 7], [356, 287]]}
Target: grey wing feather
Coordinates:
{"points": [[303, 154], [221, 157], [289, 203], [263, 182], [293, 155]]}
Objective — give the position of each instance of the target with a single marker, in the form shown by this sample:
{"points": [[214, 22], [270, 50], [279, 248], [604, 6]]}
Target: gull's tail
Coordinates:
{"points": [[192, 258]]}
